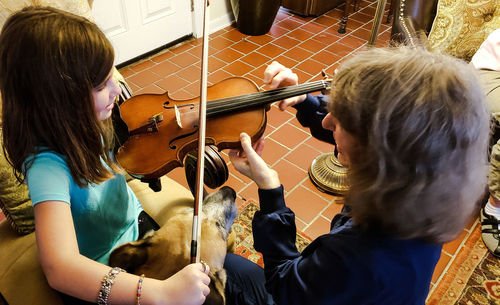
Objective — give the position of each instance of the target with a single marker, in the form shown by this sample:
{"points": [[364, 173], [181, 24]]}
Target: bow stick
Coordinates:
{"points": [[196, 231]]}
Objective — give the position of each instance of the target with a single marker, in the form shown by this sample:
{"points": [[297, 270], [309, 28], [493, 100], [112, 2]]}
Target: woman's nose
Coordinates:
{"points": [[328, 123]]}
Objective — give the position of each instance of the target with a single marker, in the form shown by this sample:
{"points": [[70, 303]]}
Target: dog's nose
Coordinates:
{"points": [[229, 191]]}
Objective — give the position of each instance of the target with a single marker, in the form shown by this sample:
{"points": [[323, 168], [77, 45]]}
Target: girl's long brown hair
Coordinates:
{"points": [[50, 61]]}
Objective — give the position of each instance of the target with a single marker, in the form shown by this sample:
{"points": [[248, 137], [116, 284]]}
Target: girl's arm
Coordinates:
{"points": [[74, 274]]}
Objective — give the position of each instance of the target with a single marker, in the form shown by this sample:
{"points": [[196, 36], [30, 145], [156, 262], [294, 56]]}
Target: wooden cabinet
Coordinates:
{"points": [[310, 7]]}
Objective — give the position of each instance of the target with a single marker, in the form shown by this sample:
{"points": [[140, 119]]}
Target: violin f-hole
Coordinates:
{"points": [[178, 106], [171, 144]]}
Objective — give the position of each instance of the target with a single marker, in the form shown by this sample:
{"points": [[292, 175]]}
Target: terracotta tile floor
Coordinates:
{"points": [[306, 45]]}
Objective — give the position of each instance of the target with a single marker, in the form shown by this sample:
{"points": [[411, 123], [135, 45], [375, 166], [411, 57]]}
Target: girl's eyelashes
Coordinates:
{"points": [[102, 85]]}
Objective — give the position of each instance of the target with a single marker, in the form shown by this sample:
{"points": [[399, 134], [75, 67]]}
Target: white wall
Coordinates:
{"points": [[220, 16]]}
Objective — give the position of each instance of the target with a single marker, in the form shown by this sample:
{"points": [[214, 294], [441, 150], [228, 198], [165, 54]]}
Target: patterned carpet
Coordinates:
{"points": [[242, 228], [473, 278]]}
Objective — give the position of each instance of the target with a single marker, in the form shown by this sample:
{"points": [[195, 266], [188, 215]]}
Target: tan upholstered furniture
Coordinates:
{"points": [[21, 278], [454, 27], [460, 26], [14, 199]]}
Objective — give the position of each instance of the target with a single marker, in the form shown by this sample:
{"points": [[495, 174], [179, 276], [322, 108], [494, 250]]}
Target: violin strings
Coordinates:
{"points": [[233, 103], [259, 98]]}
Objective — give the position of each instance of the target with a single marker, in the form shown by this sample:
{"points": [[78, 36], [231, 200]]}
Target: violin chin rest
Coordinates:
{"points": [[215, 172]]}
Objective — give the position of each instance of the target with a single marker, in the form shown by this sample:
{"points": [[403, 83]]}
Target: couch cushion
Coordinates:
{"points": [[161, 204], [21, 277], [14, 199], [460, 26]]}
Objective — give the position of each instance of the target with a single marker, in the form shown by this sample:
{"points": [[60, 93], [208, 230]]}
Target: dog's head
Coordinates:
{"points": [[162, 253], [221, 207]]}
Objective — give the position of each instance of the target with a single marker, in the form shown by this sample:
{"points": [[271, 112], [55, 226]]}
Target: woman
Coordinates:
{"points": [[412, 128]]}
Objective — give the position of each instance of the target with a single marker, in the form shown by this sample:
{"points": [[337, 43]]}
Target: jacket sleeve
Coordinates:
{"points": [[292, 278], [310, 113]]}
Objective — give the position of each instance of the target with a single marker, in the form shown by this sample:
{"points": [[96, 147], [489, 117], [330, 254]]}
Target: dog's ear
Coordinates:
{"points": [[217, 287], [131, 255]]}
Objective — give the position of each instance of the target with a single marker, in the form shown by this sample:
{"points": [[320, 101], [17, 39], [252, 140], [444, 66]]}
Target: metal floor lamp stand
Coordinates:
{"points": [[325, 171], [328, 175]]}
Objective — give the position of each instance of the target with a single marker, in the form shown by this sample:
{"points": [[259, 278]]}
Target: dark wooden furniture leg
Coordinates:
{"points": [[390, 15], [345, 16]]}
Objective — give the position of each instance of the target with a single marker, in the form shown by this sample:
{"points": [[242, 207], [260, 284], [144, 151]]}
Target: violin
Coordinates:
{"points": [[162, 130]]}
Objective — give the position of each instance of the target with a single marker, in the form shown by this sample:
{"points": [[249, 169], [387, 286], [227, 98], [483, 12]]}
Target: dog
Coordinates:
{"points": [[162, 253]]}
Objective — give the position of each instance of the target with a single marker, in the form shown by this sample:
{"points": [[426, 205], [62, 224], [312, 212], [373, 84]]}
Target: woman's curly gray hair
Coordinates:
{"points": [[422, 125]]}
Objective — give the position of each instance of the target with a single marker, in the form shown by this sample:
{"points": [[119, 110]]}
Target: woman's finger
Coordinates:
{"points": [[246, 143], [271, 71], [284, 78], [254, 159], [259, 146]]}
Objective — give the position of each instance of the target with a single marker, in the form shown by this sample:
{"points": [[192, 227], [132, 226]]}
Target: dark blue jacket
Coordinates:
{"points": [[310, 113], [344, 266]]}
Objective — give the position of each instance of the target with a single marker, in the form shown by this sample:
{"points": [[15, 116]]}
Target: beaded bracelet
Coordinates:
{"points": [[139, 288], [106, 283]]}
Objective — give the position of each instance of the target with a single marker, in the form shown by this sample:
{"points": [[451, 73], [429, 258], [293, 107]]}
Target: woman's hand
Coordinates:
{"points": [[276, 75], [248, 162], [188, 286]]}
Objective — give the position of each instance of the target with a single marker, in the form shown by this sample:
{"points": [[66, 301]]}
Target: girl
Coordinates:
{"points": [[57, 96], [412, 128]]}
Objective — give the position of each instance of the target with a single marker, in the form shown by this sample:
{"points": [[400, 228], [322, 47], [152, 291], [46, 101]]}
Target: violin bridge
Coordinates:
{"points": [[177, 116]]}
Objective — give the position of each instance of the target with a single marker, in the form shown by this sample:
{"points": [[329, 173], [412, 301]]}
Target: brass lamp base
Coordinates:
{"points": [[329, 175]]}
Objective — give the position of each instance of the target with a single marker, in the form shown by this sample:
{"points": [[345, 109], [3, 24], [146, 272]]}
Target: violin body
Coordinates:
{"points": [[154, 149]]}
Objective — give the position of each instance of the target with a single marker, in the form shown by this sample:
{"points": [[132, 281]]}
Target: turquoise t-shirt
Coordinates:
{"points": [[104, 215]]}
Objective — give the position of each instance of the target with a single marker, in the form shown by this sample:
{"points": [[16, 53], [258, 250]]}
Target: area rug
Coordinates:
{"points": [[242, 228], [472, 278]]}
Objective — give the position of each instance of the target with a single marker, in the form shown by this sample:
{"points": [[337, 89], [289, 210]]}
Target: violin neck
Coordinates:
{"points": [[252, 100]]}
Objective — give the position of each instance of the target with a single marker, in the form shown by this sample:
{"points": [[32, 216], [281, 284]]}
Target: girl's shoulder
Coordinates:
{"points": [[46, 158], [43, 152]]}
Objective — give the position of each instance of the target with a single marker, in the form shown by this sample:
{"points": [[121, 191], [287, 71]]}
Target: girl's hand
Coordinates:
{"points": [[248, 162], [276, 75], [188, 286]]}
